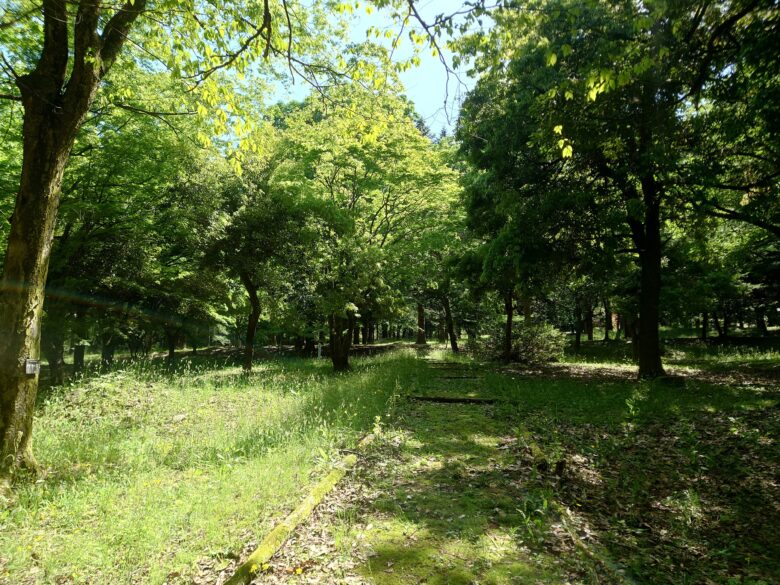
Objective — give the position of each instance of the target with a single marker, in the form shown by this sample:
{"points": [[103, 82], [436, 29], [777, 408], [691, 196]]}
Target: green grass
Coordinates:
{"points": [[665, 482], [149, 469]]}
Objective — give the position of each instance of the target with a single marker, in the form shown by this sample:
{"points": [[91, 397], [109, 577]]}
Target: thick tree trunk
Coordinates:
{"points": [[251, 326], [509, 312], [421, 340], [53, 112], [449, 323], [46, 149], [650, 287], [341, 340]]}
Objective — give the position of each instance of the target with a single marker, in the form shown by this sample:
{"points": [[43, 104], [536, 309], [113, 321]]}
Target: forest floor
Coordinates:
{"points": [[576, 474]]}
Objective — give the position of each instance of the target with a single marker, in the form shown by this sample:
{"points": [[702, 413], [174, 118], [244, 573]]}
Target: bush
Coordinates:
{"points": [[532, 344]]}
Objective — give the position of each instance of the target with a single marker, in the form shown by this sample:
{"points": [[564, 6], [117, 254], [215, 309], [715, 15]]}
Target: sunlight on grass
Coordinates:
{"points": [[146, 473]]}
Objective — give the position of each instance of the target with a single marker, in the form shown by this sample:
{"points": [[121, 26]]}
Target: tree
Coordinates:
{"points": [[57, 72], [265, 239], [615, 101]]}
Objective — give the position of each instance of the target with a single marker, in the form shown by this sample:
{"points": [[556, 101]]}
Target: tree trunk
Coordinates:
{"points": [[589, 322], [54, 108], [251, 326], [649, 349], [421, 325], [45, 153], [607, 319], [577, 326], [525, 302], [310, 347], [171, 337], [107, 349], [356, 336], [80, 326], [449, 323], [509, 311], [54, 348], [716, 322], [441, 333], [341, 340], [705, 324], [761, 322]]}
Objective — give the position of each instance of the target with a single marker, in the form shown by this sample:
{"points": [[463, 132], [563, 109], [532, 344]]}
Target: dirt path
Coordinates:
{"points": [[439, 497]]}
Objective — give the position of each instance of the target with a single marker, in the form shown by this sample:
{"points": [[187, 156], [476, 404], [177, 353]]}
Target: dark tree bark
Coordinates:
{"points": [[80, 333], [171, 337], [525, 303], [589, 322], [356, 336], [647, 237], [449, 323], [55, 105], [509, 312], [441, 329], [107, 348], [607, 319], [341, 340], [251, 326], [578, 325], [705, 324], [421, 340], [716, 322], [761, 321], [54, 348]]}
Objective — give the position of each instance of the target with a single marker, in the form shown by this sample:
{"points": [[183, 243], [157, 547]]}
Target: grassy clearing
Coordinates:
{"points": [[150, 470], [576, 476]]}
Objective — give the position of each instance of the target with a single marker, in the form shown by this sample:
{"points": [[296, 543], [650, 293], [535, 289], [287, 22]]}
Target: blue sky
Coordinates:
{"points": [[426, 85]]}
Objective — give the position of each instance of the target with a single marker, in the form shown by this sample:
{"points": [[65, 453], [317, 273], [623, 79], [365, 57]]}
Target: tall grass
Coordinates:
{"points": [[150, 469]]}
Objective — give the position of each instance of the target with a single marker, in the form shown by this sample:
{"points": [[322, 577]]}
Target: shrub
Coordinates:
{"points": [[534, 343]]}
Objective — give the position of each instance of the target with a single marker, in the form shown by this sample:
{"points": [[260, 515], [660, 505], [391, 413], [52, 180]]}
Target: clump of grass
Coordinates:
{"points": [[149, 468]]}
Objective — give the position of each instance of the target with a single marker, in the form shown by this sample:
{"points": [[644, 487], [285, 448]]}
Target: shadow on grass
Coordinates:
{"points": [[675, 484]]}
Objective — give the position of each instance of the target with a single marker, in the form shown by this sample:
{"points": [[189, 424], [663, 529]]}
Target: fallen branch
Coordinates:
{"points": [[275, 539]]}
